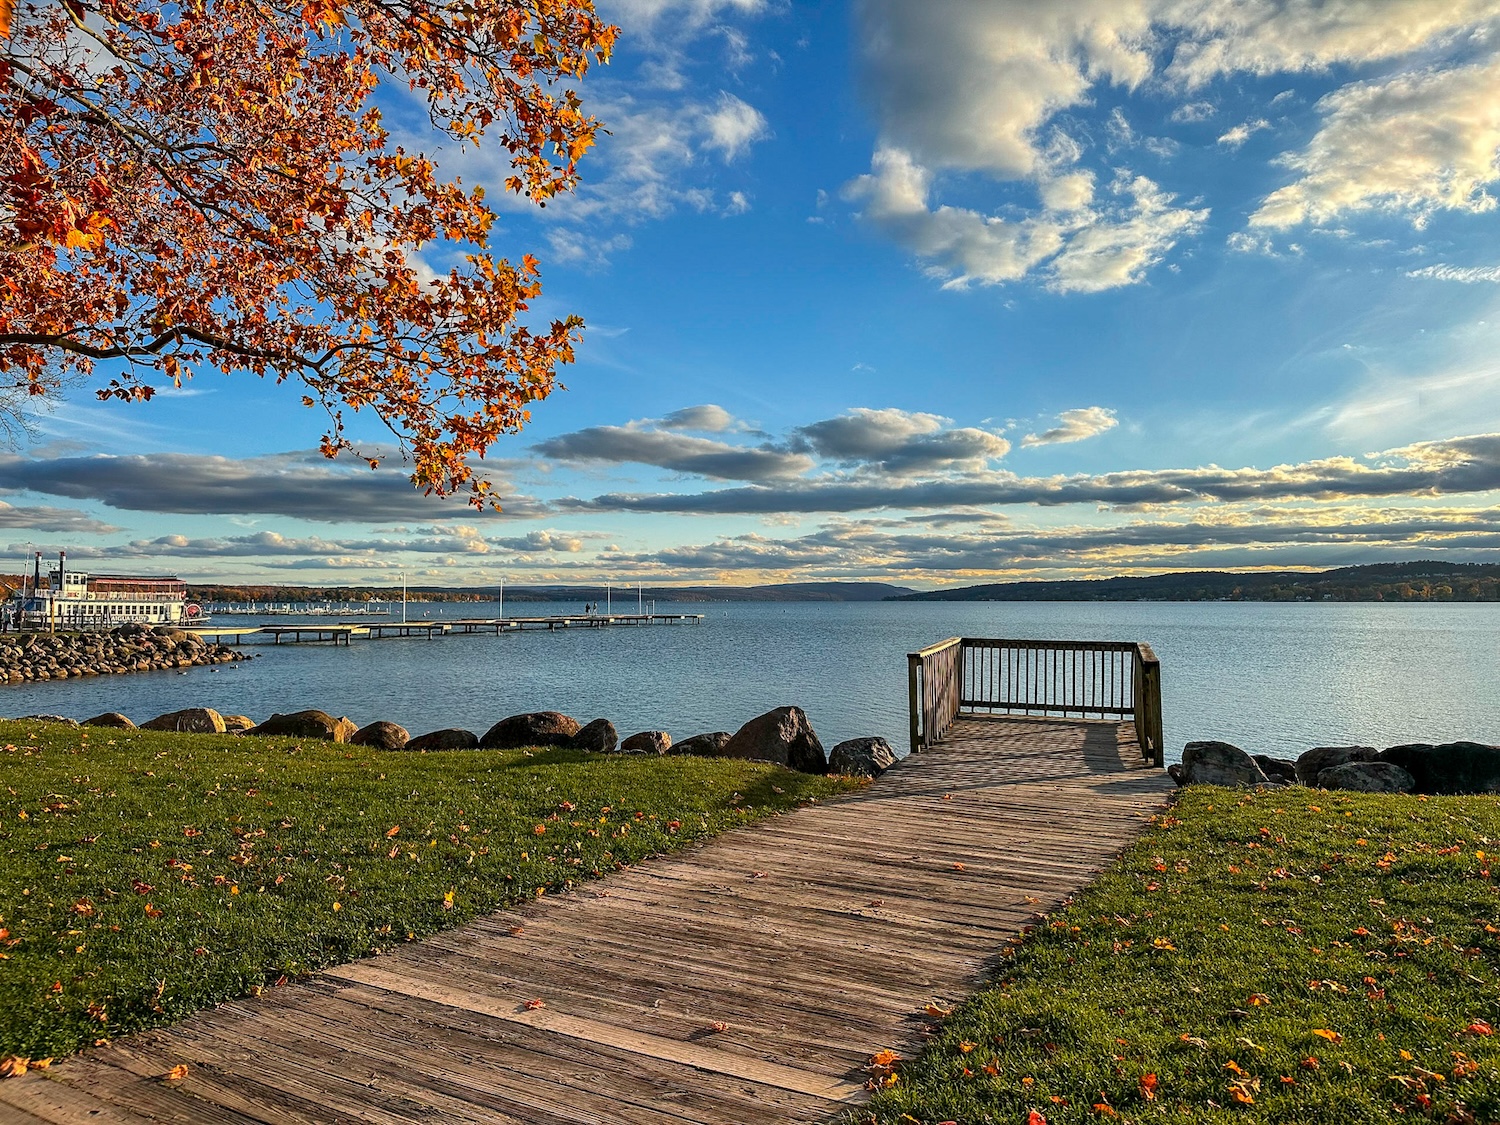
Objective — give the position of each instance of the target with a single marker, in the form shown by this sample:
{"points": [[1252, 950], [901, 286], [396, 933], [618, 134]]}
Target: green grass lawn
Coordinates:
{"points": [[1300, 956], [145, 875]]}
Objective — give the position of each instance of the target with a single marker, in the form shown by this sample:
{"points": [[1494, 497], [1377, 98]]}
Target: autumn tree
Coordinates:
{"points": [[210, 184]]}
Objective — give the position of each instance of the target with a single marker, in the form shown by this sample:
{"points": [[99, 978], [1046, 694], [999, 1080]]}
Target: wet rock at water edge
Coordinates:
{"points": [[783, 736], [451, 738], [1449, 767], [110, 719], [535, 728], [305, 724], [381, 736], [1277, 769], [598, 737], [1367, 777], [647, 742], [709, 745], [1321, 758], [190, 720], [1218, 763], [861, 757]]}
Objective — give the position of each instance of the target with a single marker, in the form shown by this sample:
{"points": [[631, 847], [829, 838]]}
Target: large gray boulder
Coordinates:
{"points": [[861, 757], [783, 736], [536, 728], [598, 737], [306, 724], [448, 739], [1321, 758], [1367, 777], [1218, 763], [381, 735], [1277, 769], [1450, 767], [647, 742], [110, 719], [709, 745], [190, 720]]}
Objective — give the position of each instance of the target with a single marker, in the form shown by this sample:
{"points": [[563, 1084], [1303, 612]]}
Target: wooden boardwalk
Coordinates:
{"points": [[745, 981]]}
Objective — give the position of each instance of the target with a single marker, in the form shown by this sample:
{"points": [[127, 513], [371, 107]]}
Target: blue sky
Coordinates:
{"points": [[928, 293]]}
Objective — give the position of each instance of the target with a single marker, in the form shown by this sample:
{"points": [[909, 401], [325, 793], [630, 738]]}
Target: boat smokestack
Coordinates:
{"points": [[62, 568], [36, 578]]}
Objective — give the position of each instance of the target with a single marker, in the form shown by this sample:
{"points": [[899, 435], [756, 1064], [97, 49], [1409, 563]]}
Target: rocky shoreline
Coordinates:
{"points": [[1447, 768], [34, 657], [783, 737]]}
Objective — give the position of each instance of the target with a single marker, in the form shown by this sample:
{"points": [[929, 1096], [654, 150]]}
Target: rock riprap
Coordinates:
{"points": [[190, 720], [1320, 758], [710, 745], [647, 742], [33, 657], [861, 757], [451, 738], [1217, 763], [598, 737], [1367, 777], [311, 723], [1449, 767], [783, 736], [535, 728], [380, 736]]}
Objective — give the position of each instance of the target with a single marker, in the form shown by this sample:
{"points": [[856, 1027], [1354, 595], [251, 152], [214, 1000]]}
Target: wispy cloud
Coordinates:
{"points": [[1075, 425]]}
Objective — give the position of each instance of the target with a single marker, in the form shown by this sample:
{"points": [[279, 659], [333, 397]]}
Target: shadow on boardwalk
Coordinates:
{"points": [[746, 981]]}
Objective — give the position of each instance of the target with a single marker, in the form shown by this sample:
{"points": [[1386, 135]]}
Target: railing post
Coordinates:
{"points": [[913, 667]]}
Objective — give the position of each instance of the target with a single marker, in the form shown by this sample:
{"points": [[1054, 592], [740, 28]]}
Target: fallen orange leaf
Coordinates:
{"points": [[1035, 1118], [885, 1058], [1148, 1086], [177, 1073], [1479, 1027], [937, 1013], [1331, 1036], [533, 1005], [12, 1067], [393, 830]]}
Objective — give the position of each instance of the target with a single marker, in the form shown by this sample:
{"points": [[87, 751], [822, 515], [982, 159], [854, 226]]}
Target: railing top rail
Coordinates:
{"points": [[1053, 646], [939, 647], [1146, 653]]}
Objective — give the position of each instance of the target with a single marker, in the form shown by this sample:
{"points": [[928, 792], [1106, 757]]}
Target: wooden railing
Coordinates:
{"points": [[1083, 679]]}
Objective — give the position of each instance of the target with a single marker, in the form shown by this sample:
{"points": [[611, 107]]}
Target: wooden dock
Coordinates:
{"points": [[343, 632], [746, 981]]}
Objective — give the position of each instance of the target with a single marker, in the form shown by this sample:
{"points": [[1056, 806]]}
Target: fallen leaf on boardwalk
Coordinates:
{"points": [[759, 874], [533, 1005], [884, 1058], [1331, 1036], [718, 1025], [177, 1073], [392, 831], [937, 1013], [13, 1067], [517, 931], [39, 1064], [958, 867]]}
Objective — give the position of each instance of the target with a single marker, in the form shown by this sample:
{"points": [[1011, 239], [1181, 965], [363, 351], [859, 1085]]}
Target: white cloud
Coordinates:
{"points": [[1466, 274], [1414, 144], [1075, 425], [1190, 112], [1237, 136], [733, 126], [1077, 247]]}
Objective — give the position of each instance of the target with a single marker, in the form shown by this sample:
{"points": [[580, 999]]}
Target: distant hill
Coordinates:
{"points": [[1408, 581], [624, 595]]}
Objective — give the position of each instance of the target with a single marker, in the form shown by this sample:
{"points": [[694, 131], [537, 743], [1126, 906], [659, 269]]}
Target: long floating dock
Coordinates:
{"points": [[344, 632]]}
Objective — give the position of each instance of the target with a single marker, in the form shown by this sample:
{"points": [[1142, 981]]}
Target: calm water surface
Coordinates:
{"points": [[1269, 677]]}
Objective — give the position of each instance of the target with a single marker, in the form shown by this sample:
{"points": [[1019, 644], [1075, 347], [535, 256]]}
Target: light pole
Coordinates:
{"points": [[501, 615], [403, 597]]}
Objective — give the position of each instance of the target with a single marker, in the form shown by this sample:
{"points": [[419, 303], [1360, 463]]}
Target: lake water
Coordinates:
{"points": [[1270, 677]]}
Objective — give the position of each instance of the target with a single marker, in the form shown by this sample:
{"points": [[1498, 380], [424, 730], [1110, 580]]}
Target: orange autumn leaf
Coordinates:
{"points": [[1148, 1086], [177, 1073], [533, 1005], [718, 1026], [392, 831], [965, 1047], [7, 11], [1241, 1095], [884, 1058], [1035, 1118], [1331, 1036], [936, 1012], [13, 1066], [1479, 1027]]}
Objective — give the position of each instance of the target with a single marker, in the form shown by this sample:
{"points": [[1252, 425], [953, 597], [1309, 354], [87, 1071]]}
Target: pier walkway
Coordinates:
{"points": [[746, 981], [343, 632]]}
